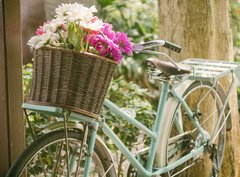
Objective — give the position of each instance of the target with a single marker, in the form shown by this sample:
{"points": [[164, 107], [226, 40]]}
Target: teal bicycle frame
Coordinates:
{"points": [[148, 170], [154, 134]]}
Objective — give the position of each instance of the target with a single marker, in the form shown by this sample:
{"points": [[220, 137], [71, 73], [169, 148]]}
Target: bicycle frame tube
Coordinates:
{"points": [[152, 133], [115, 109], [135, 163], [153, 145], [90, 148], [124, 150], [191, 115]]}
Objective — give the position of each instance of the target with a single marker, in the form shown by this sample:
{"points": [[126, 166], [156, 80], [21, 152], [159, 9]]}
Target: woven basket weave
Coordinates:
{"points": [[71, 80]]}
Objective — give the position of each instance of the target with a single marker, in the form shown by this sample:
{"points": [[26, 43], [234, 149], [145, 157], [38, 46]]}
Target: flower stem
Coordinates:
{"points": [[87, 41], [58, 31], [81, 39]]}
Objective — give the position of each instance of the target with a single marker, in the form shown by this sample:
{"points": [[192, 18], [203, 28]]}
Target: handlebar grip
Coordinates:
{"points": [[171, 46]]}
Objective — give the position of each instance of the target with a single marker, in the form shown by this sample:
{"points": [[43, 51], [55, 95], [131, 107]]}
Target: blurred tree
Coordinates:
{"points": [[202, 28]]}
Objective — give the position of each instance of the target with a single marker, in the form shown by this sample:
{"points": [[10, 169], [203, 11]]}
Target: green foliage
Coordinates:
{"points": [[134, 101], [104, 3], [27, 77], [36, 119], [139, 20], [235, 12], [128, 16], [238, 93], [75, 36]]}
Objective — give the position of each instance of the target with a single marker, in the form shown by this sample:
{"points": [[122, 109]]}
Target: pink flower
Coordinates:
{"points": [[110, 43], [116, 53], [107, 30], [106, 47], [90, 33], [40, 31], [124, 43], [63, 27]]}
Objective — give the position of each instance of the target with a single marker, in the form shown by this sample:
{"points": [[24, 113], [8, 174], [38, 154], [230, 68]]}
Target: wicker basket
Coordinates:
{"points": [[71, 80]]}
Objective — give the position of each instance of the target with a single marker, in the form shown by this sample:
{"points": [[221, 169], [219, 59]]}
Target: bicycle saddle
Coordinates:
{"points": [[168, 68]]}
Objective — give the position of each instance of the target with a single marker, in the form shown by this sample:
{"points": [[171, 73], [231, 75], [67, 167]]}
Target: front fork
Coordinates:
{"points": [[91, 143], [92, 138], [93, 125]]}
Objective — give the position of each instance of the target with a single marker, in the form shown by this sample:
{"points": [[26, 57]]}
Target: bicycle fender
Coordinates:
{"points": [[227, 109]]}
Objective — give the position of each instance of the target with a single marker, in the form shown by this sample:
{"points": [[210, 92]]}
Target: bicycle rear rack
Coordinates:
{"points": [[210, 70]]}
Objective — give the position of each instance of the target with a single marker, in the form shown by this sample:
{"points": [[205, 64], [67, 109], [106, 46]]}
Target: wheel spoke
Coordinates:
{"points": [[47, 157]]}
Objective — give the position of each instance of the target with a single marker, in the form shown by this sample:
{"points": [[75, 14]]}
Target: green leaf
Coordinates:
{"points": [[104, 3], [75, 36]]}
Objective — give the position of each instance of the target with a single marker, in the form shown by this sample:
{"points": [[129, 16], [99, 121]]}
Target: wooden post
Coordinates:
{"points": [[11, 96], [4, 152]]}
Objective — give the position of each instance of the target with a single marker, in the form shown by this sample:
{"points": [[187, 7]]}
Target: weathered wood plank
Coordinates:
{"points": [[11, 119], [4, 152], [12, 23]]}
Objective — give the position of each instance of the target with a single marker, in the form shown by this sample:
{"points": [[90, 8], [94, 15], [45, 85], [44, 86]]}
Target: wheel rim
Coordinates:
{"points": [[207, 110]]}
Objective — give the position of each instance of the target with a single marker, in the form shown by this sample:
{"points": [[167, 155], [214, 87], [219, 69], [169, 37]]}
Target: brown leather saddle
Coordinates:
{"points": [[167, 68]]}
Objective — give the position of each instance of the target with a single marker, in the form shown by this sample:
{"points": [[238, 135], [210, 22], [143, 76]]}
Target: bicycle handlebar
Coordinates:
{"points": [[166, 44], [172, 46]]}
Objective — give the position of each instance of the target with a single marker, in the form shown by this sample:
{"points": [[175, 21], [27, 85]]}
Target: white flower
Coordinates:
{"points": [[33, 41], [53, 38], [95, 24], [37, 42], [74, 12], [56, 43], [51, 26]]}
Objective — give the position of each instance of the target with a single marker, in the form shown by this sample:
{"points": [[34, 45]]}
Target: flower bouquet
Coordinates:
{"points": [[75, 55]]}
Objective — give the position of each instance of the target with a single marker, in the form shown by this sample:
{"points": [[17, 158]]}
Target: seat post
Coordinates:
{"points": [[156, 127]]}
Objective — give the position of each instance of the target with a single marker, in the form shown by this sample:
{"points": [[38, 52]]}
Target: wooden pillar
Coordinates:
{"points": [[4, 152], [11, 119]]}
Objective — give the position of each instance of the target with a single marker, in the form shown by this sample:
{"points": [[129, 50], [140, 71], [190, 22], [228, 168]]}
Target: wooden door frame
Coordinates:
{"points": [[11, 95]]}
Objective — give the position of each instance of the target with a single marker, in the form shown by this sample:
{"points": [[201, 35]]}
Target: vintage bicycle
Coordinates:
{"points": [[189, 131]]}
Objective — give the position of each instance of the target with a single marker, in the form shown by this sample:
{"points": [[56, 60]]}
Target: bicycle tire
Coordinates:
{"points": [[192, 139], [50, 141]]}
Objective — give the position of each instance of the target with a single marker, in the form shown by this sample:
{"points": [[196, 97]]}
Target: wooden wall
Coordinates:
{"points": [[4, 162], [11, 117]]}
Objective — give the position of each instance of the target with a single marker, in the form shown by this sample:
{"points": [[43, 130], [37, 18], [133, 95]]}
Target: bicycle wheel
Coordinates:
{"points": [[180, 136], [47, 157]]}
